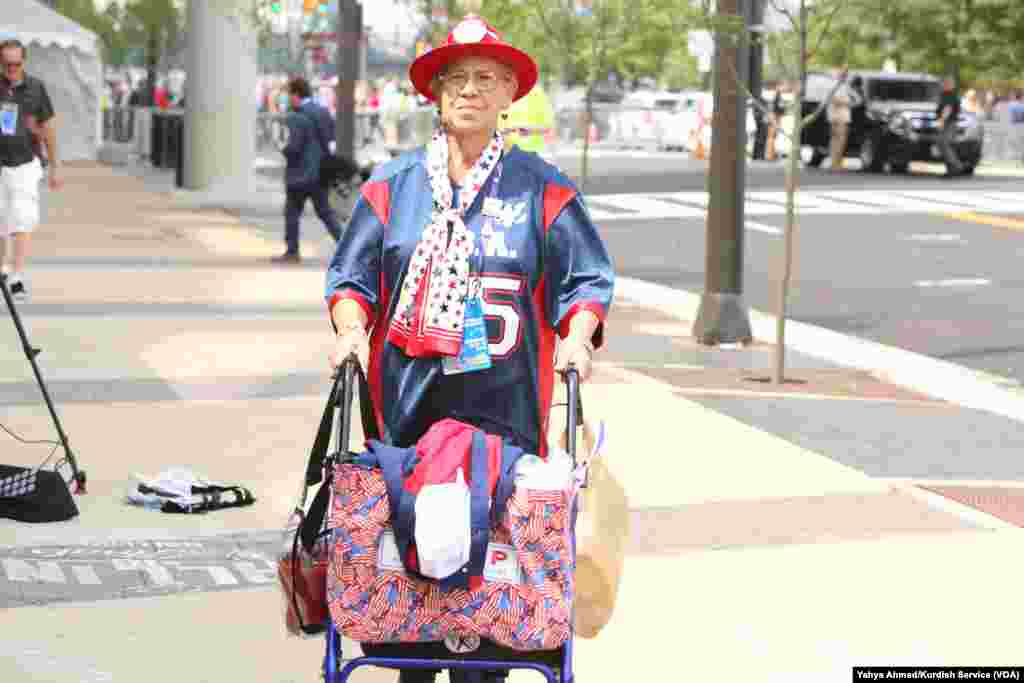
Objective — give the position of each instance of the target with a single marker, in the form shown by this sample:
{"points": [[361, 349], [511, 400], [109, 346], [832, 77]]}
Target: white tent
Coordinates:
{"points": [[67, 58]]}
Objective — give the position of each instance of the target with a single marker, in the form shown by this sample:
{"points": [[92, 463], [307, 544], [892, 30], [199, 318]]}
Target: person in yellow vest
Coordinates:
{"points": [[529, 121]]}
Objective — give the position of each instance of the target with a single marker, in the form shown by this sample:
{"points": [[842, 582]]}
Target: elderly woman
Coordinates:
{"points": [[469, 274]]}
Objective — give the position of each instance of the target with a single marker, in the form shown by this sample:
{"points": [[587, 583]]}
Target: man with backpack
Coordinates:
{"points": [[308, 153]]}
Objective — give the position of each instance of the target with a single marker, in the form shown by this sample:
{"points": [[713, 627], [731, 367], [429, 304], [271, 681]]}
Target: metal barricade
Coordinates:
{"points": [[119, 124], [404, 131], [1003, 141], [617, 126]]}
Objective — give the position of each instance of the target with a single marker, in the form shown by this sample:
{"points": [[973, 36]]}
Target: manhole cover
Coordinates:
{"points": [[1006, 503]]}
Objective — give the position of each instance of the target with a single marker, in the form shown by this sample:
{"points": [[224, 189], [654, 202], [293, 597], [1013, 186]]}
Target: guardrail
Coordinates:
{"points": [[1003, 141], [405, 130]]}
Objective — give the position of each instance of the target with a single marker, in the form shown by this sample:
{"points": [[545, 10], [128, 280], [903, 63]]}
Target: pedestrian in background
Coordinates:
{"points": [[839, 118], [970, 103], [310, 134], [774, 123], [27, 123], [948, 112], [760, 128], [1015, 109], [990, 105], [373, 106]]}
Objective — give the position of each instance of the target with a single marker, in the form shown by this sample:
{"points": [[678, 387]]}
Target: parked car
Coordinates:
{"points": [[893, 125]]}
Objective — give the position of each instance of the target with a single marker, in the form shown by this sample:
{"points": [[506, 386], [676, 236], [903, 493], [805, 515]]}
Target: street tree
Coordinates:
{"points": [[796, 34], [157, 26], [974, 40], [792, 49], [630, 38], [627, 38], [103, 23]]}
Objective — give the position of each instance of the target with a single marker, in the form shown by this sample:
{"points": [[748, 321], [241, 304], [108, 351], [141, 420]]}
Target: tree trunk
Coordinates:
{"points": [[152, 62]]}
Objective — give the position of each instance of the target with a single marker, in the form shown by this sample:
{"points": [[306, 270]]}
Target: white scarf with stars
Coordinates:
{"points": [[428, 320]]}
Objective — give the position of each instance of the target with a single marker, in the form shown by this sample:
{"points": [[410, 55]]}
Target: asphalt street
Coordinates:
{"points": [[937, 279]]}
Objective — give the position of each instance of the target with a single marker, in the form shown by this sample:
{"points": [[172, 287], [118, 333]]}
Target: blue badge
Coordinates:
{"points": [[8, 118], [474, 354]]}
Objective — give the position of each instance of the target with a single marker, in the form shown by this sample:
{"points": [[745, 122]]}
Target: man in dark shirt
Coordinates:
{"points": [[26, 122], [310, 133], [948, 112]]}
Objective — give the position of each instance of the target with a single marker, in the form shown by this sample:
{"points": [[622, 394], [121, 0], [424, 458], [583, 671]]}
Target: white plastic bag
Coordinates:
{"points": [[540, 474], [443, 533]]}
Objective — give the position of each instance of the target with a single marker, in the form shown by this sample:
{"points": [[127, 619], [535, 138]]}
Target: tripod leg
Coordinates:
{"points": [[77, 475]]}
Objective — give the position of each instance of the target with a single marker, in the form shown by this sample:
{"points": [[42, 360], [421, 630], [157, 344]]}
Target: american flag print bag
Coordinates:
{"points": [[524, 600]]}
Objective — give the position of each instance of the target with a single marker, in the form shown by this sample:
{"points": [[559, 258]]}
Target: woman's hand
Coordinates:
{"points": [[351, 339], [577, 352], [576, 349], [351, 322]]}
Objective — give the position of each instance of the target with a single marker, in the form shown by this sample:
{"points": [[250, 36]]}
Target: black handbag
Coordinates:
{"points": [[35, 495]]}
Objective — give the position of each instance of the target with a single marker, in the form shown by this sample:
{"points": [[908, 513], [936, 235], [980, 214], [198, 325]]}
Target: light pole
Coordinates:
{"points": [[350, 42], [722, 317]]}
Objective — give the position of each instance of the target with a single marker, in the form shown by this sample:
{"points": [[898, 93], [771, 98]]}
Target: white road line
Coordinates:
{"points": [[648, 206], [1011, 202], [935, 237], [652, 206], [761, 227], [955, 282]]}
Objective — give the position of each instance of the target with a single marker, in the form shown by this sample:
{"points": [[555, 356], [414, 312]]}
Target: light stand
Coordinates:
{"points": [[77, 475]]}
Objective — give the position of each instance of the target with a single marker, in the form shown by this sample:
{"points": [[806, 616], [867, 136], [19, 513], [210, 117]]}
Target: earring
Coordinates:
{"points": [[504, 116]]}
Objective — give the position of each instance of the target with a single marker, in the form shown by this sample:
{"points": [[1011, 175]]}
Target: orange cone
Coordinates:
{"points": [[699, 152]]}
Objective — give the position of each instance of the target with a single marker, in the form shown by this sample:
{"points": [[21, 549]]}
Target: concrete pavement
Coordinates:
{"points": [[780, 532]]}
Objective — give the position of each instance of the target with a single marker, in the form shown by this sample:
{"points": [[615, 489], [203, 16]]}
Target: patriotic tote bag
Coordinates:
{"points": [[523, 600]]}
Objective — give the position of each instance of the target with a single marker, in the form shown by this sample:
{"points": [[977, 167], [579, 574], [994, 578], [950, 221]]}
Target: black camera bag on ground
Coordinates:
{"points": [[35, 495]]}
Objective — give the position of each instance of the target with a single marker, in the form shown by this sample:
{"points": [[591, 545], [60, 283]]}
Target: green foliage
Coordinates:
{"points": [[84, 12], [635, 38], [982, 40], [149, 26]]}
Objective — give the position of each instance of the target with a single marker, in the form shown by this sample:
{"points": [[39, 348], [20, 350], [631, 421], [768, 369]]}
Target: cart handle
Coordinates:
{"points": [[574, 405], [344, 401]]}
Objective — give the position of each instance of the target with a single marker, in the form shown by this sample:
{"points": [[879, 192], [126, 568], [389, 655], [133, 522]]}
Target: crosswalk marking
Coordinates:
{"points": [[648, 206]]}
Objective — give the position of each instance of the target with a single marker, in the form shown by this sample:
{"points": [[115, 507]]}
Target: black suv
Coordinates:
{"points": [[894, 123]]}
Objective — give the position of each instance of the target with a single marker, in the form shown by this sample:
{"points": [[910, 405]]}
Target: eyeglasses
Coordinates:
{"points": [[484, 81]]}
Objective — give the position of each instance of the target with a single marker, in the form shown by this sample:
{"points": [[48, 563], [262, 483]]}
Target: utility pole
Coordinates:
{"points": [[350, 42], [722, 317]]}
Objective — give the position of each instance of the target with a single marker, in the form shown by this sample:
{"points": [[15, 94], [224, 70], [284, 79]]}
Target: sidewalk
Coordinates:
{"points": [[779, 533]]}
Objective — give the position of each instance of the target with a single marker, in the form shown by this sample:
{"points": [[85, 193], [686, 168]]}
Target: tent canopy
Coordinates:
{"points": [[34, 23]]}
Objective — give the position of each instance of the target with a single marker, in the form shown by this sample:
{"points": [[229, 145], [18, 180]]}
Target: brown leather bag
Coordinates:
{"points": [[303, 579]]}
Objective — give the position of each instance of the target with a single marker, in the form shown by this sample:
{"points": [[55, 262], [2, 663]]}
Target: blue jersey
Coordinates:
{"points": [[541, 263]]}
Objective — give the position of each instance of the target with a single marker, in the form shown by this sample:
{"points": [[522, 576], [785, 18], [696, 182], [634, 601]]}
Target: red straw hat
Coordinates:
{"points": [[473, 37]]}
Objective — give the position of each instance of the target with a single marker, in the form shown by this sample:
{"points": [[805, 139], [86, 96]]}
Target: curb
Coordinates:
{"points": [[939, 379]]}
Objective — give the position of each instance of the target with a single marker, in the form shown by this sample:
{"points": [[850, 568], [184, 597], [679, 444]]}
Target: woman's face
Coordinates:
{"points": [[474, 92]]}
